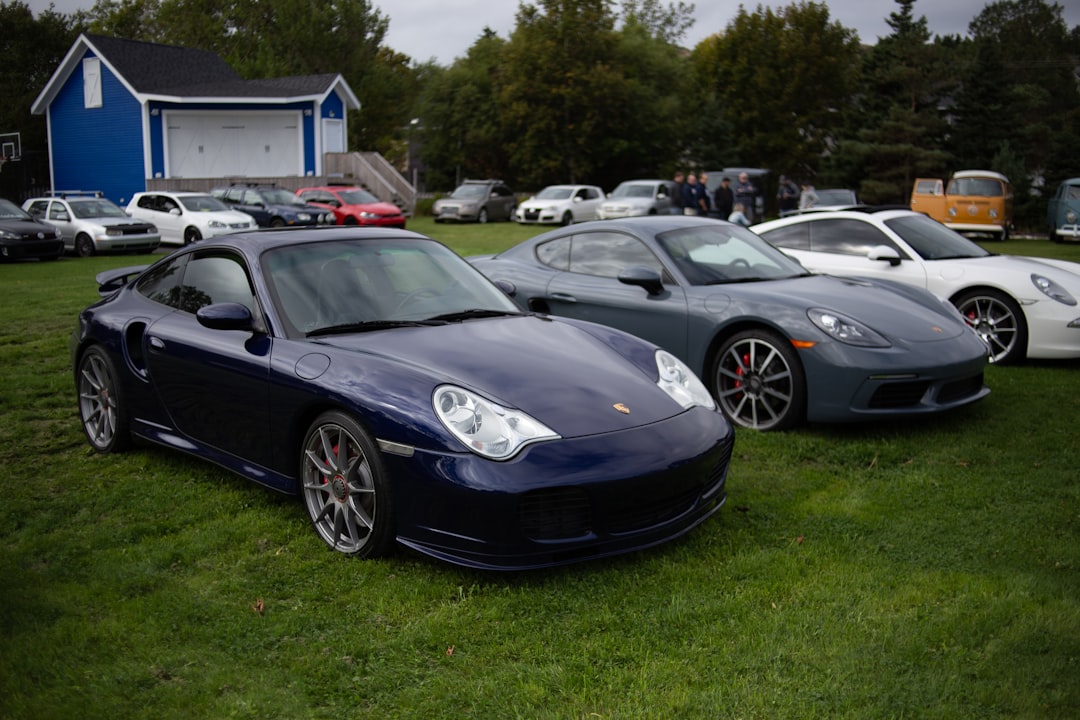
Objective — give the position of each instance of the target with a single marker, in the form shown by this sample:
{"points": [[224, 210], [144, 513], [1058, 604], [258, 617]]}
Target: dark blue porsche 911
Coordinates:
{"points": [[403, 397]]}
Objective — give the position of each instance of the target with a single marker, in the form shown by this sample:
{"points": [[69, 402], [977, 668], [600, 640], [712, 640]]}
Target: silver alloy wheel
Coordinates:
{"points": [[759, 382], [341, 484], [997, 321], [100, 407]]}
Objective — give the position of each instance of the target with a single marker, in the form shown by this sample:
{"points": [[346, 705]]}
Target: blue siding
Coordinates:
{"points": [[98, 148]]}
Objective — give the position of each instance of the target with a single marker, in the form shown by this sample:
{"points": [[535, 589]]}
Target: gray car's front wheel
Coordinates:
{"points": [[759, 382], [345, 489]]}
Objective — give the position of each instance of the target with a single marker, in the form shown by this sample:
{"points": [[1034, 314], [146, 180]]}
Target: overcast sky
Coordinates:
{"points": [[445, 29]]}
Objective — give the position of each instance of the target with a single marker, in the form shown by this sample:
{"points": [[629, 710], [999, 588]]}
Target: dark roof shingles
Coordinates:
{"points": [[170, 70]]}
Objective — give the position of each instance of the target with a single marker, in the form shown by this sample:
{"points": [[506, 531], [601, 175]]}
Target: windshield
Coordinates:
{"points": [[202, 203], [835, 197], [375, 284], [635, 190], [278, 196], [97, 208], [357, 197], [984, 187], [932, 240], [470, 191], [555, 192], [11, 211], [723, 253]]}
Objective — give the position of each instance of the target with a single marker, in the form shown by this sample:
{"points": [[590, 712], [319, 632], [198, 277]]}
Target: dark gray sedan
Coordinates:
{"points": [[776, 344]]}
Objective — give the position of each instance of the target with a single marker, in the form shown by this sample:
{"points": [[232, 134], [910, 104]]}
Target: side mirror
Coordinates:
{"points": [[507, 287], [225, 316], [884, 253], [174, 211], [643, 277]]}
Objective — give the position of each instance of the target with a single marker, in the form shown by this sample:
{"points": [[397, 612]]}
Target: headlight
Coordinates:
{"points": [[680, 382], [846, 330], [303, 217], [993, 213], [486, 428], [113, 231], [952, 212], [217, 224], [1070, 217], [1052, 290]]}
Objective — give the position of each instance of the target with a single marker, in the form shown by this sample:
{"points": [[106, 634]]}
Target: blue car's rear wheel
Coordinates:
{"points": [[759, 382], [345, 489], [101, 403]]}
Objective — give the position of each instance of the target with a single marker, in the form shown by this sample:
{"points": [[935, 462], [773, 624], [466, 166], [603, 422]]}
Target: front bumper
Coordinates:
{"points": [[1071, 232], [847, 383], [565, 501], [127, 243], [23, 249]]}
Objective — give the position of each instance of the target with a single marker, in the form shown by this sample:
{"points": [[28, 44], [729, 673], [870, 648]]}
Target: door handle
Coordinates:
{"points": [[156, 344], [563, 297]]}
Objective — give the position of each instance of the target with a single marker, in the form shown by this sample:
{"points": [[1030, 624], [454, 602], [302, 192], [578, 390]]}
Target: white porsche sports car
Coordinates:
{"points": [[1021, 306]]}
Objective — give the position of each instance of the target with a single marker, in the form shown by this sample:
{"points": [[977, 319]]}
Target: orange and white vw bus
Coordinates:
{"points": [[974, 202]]}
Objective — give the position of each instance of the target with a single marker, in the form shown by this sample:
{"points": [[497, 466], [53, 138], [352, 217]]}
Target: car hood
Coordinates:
{"points": [[900, 312], [1008, 269], [381, 208], [27, 227], [616, 201], [564, 374], [225, 216]]}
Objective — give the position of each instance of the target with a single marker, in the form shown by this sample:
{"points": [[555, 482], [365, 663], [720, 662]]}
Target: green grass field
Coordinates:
{"points": [[919, 569]]}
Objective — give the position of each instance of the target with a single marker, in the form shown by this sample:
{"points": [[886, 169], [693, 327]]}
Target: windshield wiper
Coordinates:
{"points": [[370, 325], [472, 314]]}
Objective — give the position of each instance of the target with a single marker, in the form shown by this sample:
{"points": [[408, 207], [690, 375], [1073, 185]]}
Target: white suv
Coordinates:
{"points": [[93, 224]]}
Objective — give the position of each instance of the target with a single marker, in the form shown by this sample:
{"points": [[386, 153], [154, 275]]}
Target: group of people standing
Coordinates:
{"points": [[728, 202]]}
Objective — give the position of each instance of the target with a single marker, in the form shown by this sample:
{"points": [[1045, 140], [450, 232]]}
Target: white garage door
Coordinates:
{"points": [[208, 145]]}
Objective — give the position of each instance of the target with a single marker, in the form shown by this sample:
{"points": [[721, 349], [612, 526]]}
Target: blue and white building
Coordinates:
{"points": [[122, 112]]}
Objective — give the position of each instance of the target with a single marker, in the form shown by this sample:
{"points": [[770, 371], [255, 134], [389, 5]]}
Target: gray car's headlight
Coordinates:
{"points": [[485, 428], [845, 329], [1052, 290], [680, 382]]}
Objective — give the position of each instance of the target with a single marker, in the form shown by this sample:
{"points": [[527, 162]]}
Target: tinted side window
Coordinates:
{"points": [[210, 279], [162, 284], [555, 253], [795, 237], [846, 237], [607, 254]]}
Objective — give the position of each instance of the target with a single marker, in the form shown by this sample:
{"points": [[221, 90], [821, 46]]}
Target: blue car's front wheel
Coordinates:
{"points": [[344, 487]]}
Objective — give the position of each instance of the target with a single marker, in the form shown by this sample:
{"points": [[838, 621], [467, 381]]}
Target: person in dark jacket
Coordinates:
{"points": [[677, 198], [724, 199], [690, 195]]}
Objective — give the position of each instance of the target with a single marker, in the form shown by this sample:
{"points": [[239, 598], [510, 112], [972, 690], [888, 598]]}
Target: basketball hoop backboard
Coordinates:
{"points": [[10, 146]]}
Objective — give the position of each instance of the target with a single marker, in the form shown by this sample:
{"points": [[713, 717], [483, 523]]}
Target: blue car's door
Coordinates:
{"points": [[212, 382], [591, 290]]}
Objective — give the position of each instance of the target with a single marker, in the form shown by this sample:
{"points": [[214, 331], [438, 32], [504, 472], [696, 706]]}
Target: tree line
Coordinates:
{"points": [[594, 91]]}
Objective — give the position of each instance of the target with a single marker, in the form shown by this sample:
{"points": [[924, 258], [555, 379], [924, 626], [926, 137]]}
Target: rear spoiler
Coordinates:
{"points": [[110, 281]]}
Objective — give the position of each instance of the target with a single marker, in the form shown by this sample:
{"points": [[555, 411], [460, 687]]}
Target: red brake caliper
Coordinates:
{"points": [[739, 370]]}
